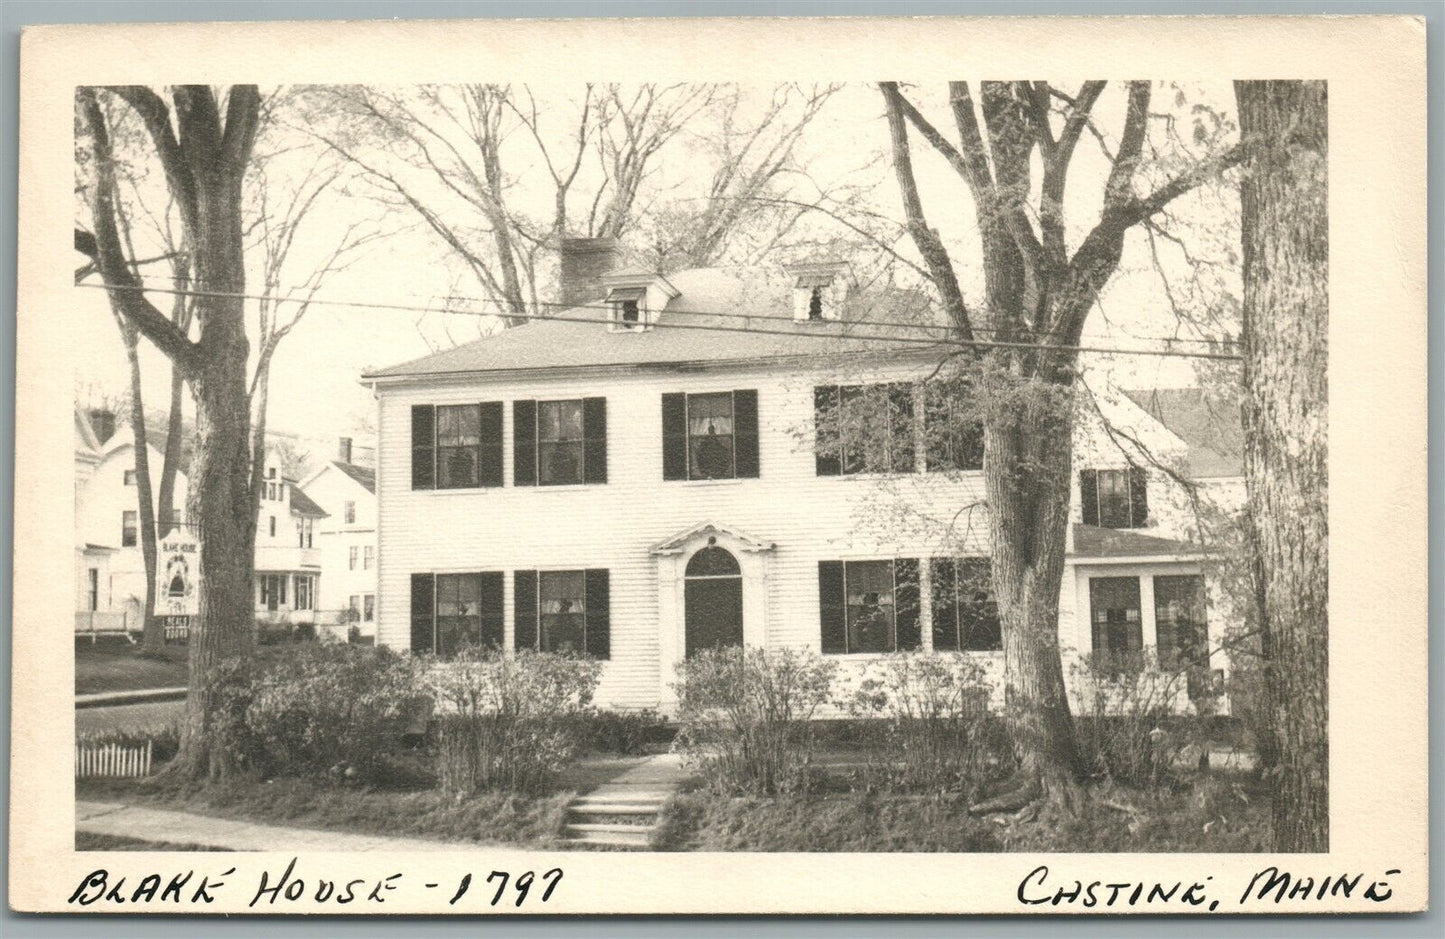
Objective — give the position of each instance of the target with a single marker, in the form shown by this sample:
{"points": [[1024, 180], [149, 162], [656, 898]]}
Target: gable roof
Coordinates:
{"points": [[302, 504], [1209, 426], [85, 434], [364, 476], [1091, 541], [733, 310]]}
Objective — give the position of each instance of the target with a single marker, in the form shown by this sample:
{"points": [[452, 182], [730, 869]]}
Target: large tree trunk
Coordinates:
{"points": [[153, 635], [166, 492], [1286, 304]]}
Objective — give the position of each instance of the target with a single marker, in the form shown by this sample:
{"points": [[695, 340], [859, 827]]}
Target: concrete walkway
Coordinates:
{"points": [[661, 773], [141, 696], [146, 824]]}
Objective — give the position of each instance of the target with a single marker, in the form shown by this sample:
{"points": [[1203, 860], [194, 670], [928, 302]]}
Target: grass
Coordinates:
{"points": [[113, 666], [95, 841]]}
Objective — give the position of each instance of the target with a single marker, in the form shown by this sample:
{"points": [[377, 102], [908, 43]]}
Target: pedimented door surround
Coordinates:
{"points": [[753, 556]]}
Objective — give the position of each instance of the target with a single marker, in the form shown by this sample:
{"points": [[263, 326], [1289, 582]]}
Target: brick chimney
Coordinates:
{"points": [[343, 451], [583, 261], [102, 421]]}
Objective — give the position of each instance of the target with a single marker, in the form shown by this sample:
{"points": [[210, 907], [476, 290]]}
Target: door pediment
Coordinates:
{"points": [[733, 537]]}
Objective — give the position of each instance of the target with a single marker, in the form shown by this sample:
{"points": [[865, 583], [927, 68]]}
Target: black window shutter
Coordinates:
{"points": [[945, 606], [827, 452], [524, 443], [832, 605], [599, 617], [906, 606], [423, 608], [524, 609], [674, 436], [492, 609], [900, 428], [1089, 495], [594, 440], [423, 446], [1138, 497], [745, 433], [489, 451]]}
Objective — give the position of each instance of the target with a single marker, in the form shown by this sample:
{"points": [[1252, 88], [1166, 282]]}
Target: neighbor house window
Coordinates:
{"points": [[94, 574], [350, 513], [304, 528], [369, 610], [1180, 620], [454, 446], [305, 591], [864, 428], [273, 591], [558, 443], [127, 528], [353, 606], [1114, 610], [710, 436], [1115, 498], [272, 525], [452, 611], [869, 606], [965, 613], [351, 555], [129, 477], [368, 557], [953, 437], [563, 611]]}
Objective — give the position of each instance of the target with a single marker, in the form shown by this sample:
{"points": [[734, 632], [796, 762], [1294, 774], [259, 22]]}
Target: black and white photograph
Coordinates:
{"points": [[561, 463]]}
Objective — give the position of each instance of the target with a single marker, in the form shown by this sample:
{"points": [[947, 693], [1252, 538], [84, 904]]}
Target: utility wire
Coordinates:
{"points": [[906, 340]]}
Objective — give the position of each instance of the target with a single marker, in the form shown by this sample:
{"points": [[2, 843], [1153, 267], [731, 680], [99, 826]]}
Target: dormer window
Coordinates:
{"points": [[815, 304], [635, 298], [819, 289], [629, 313]]}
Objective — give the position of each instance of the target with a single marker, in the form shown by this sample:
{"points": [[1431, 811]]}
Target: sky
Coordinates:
{"points": [[316, 392]]}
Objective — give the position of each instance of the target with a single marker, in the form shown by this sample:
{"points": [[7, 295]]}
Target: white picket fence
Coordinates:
{"points": [[112, 759]]}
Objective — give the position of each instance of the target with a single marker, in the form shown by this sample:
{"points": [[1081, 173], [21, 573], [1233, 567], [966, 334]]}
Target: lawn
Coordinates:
{"points": [[95, 841], [112, 666]]}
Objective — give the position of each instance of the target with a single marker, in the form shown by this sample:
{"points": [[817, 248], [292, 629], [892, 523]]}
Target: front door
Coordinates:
{"points": [[714, 597]]}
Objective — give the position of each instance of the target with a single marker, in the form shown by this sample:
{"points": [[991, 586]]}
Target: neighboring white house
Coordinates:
{"points": [[346, 538], [638, 492], [288, 560]]}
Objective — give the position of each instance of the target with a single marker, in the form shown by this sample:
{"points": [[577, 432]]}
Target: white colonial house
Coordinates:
{"points": [[346, 538], [637, 492], [288, 560]]}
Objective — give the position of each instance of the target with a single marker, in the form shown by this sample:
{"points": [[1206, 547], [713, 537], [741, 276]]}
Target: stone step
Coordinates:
{"points": [[625, 795], [631, 836], [594, 827], [587, 807]]}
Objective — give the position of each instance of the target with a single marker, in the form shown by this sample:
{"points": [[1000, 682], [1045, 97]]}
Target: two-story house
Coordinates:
{"points": [[346, 538], [288, 561], [606, 483]]}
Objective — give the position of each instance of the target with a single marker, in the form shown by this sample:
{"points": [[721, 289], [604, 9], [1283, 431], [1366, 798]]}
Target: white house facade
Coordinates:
{"points": [[637, 492], [346, 540], [288, 560]]}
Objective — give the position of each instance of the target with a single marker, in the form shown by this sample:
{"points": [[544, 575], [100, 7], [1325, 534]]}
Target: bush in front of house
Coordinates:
{"points": [[507, 721], [935, 730], [628, 733], [316, 709], [744, 716]]}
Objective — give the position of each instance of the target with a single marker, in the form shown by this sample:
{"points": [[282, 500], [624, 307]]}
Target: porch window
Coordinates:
{"points": [[710, 436], [559, 443], [869, 606], [273, 591], [563, 611], [353, 608], [369, 610], [451, 611], [1179, 613], [864, 429], [965, 613], [1115, 498], [127, 528], [1118, 630], [305, 592], [454, 446]]}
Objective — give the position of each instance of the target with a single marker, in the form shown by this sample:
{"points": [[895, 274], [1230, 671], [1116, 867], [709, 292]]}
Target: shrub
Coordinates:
{"points": [[936, 730], [1128, 729], [508, 720], [316, 709], [744, 715], [629, 733]]}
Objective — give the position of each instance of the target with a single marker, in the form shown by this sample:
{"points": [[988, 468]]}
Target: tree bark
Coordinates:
{"points": [[1285, 228], [153, 636]]}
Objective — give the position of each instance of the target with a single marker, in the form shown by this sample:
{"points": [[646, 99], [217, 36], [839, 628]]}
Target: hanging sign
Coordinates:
{"points": [[178, 563]]}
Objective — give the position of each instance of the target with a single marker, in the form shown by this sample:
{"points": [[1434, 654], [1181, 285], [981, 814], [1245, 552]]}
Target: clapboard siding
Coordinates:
{"points": [[614, 525]]}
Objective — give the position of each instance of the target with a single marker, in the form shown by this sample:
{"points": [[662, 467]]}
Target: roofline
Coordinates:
{"points": [[373, 379]]}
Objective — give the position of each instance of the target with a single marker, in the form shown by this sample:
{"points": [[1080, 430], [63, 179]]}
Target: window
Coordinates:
{"points": [[864, 429], [353, 608], [273, 591], [369, 558], [351, 554], [1115, 498], [1117, 626], [815, 304], [127, 528], [350, 513], [455, 446], [563, 611], [626, 305], [710, 436], [953, 439], [559, 443], [451, 611], [869, 606], [128, 478], [1181, 621], [965, 613], [304, 528], [629, 312], [305, 591], [369, 612], [273, 525], [94, 575]]}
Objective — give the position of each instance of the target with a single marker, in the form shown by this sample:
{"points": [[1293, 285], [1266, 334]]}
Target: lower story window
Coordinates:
{"points": [[566, 612], [1183, 629], [452, 611], [1114, 610], [965, 614], [273, 591], [305, 592], [369, 609], [869, 606]]}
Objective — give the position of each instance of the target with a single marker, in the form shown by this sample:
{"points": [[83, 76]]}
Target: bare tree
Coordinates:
{"points": [[203, 141], [1286, 317], [1038, 294]]}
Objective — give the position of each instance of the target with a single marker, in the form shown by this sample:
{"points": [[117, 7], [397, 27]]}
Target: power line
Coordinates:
{"points": [[556, 318]]}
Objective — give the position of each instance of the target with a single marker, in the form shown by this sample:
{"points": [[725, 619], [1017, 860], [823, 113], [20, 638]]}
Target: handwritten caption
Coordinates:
{"points": [[498, 889], [1268, 886]]}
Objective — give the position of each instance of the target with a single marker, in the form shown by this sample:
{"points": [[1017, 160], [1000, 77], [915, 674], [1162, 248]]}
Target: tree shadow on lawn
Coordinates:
{"points": [[119, 666]]}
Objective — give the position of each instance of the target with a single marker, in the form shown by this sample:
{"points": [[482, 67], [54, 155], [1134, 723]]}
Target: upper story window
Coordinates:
{"points": [[369, 557], [710, 436], [273, 526], [864, 429], [557, 443], [626, 303], [128, 478], [953, 439], [456, 446], [869, 606], [349, 513], [304, 528], [351, 556], [127, 528], [1115, 498], [563, 611], [965, 614], [636, 297]]}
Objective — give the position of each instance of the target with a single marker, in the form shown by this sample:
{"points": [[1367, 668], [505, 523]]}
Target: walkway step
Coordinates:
{"points": [[608, 826], [637, 838], [584, 807]]}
